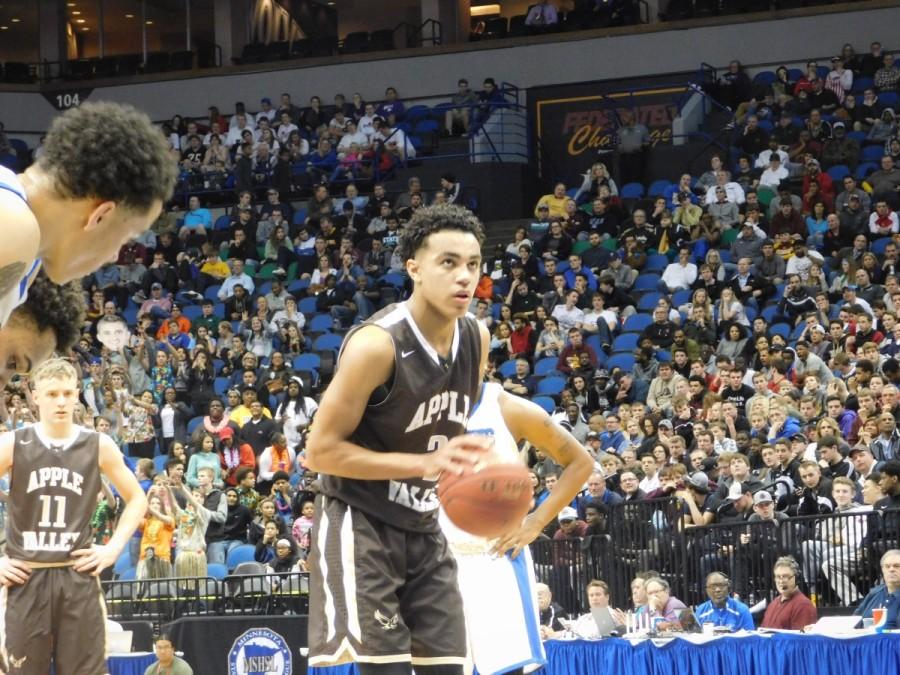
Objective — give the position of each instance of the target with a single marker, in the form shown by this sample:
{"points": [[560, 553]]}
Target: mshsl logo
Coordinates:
{"points": [[259, 651]]}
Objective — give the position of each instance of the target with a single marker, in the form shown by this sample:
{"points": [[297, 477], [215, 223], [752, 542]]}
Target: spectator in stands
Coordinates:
{"points": [[791, 610], [549, 612], [456, 119], [774, 173], [632, 144], [886, 595], [753, 139], [662, 390], [841, 149], [722, 610], [887, 77], [679, 275], [541, 18], [555, 202], [237, 277], [885, 183], [734, 192]]}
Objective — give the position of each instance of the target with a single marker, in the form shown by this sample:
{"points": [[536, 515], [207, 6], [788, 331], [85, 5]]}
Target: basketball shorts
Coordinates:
{"points": [[58, 613], [379, 594], [502, 619]]}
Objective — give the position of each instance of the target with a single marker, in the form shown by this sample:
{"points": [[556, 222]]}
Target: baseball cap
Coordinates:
{"points": [[282, 542], [819, 327], [699, 481], [156, 284], [227, 432], [858, 448], [601, 374], [762, 497], [568, 513], [838, 125], [665, 423], [799, 437], [265, 99], [735, 492], [543, 207], [592, 434]]}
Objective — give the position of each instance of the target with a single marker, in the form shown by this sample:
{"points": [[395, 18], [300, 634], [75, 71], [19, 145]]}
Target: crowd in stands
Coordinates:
{"points": [[728, 340]]}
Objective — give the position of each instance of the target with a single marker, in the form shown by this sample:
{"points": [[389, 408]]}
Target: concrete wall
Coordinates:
{"points": [[580, 60]]}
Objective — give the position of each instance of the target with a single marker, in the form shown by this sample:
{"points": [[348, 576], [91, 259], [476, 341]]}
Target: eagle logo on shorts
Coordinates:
{"points": [[17, 663], [387, 623]]}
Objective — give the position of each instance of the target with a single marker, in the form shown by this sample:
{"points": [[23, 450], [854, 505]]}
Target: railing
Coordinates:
{"points": [[645, 535], [164, 600]]}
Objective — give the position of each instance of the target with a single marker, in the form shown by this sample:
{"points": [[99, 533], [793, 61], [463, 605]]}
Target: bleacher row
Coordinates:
{"points": [[357, 42]]}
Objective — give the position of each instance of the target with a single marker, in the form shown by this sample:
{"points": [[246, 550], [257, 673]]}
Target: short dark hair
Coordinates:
{"points": [[280, 475], [430, 219], [108, 151], [60, 308], [241, 473], [171, 463]]}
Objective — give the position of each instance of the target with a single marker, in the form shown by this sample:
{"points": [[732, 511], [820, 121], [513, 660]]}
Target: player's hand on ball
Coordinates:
{"points": [[518, 538], [94, 559], [13, 572], [456, 455]]}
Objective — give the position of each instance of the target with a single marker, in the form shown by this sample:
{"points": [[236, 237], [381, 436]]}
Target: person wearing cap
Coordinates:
{"points": [[775, 172], [570, 528], [722, 545], [699, 505], [841, 149], [721, 609]]}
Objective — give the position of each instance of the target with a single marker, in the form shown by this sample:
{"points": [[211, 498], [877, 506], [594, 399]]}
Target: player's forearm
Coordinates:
{"points": [[128, 522], [349, 460], [570, 483]]}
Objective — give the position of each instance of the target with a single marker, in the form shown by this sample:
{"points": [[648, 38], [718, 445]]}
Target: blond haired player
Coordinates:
{"points": [[51, 605]]}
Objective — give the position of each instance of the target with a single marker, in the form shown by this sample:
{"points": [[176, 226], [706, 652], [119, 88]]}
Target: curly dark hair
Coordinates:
{"points": [[430, 219], [109, 151], [61, 308]]}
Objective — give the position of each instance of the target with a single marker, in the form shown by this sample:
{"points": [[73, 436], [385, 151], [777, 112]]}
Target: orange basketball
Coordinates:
{"points": [[487, 501]]}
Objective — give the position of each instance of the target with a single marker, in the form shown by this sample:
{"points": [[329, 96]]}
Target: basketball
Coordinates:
{"points": [[487, 501]]}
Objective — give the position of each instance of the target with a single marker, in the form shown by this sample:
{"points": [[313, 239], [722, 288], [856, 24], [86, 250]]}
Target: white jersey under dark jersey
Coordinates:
{"points": [[16, 295], [428, 403], [52, 495]]}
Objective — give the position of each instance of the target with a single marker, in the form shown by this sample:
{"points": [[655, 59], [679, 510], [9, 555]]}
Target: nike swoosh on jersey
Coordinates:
{"points": [[403, 355]]}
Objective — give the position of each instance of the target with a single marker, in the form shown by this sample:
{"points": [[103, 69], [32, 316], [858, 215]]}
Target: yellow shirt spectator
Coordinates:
{"points": [[556, 202]]}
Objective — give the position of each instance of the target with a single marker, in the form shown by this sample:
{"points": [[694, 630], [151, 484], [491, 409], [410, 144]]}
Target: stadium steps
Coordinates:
{"points": [[500, 232]]}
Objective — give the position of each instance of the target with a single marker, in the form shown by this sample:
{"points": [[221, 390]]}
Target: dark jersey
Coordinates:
{"points": [[428, 403], [52, 496]]}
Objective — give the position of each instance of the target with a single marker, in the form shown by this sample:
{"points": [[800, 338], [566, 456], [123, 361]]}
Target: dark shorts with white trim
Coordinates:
{"points": [[60, 614], [379, 594]]}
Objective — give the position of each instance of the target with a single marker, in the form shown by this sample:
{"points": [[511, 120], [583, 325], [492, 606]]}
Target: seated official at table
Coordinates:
{"points": [[549, 611], [791, 610], [721, 609], [167, 662], [886, 595], [598, 598], [664, 607]]}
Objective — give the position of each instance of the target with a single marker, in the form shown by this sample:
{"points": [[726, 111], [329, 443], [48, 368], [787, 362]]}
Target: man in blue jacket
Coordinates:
{"points": [[886, 595], [721, 610]]}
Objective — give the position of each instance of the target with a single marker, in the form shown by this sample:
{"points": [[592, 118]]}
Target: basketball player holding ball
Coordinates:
{"points": [[51, 604], [496, 577], [101, 180], [383, 588]]}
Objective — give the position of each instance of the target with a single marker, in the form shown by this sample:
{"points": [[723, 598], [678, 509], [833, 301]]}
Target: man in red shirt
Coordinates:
{"points": [[521, 340], [569, 357], [791, 610]]}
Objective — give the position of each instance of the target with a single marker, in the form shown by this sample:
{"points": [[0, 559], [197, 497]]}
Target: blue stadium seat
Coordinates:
{"points": [[264, 288], [646, 282], [300, 216], [764, 77], [192, 312], [222, 223], [545, 365], [212, 292], [426, 127], [241, 554], [864, 169], [508, 368], [159, 463], [838, 171], [394, 279], [888, 99], [298, 286], [626, 342], [663, 355], [782, 329], [860, 84], [123, 562], [656, 263], [636, 323], [128, 575], [632, 191], [307, 362], [593, 341], [328, 341], [320, 323], [307, 305], [798, 331], [216, 570], [220, 385], [879, 245], [871, 153], [622, 361], [648, 301], [417, 113], [550, 386], [768, 313], [658, 188], [545, 402], [725, 255], [193, 424], [683, 296]]}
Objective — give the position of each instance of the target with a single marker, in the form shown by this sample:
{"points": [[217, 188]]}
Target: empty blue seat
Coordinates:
{"points": [[320, 323], [508, 368], [159, 463], [683, 296], [216, 570], [865, 169], [879, 245], [646, 282], [871, 153], [220, 385], [193, 424], [838, 171], [768, 313], [764, 77], [632, 191], [622, 361], [656, 263], [626, 342], [658, 188], [550, 386], [307, 305], [782, 329], [307, 362], [545, 402], [648, 302], [545, 365], [328, 341], [636, 323], [240, 554], [212, 292]]}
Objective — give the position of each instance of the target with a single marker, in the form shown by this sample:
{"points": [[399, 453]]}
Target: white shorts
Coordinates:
{"points": [[500, 604]]}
